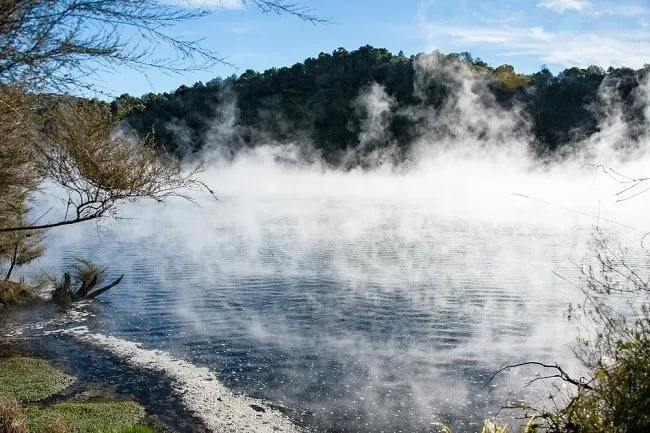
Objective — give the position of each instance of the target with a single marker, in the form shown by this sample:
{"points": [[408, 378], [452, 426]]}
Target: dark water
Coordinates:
{"points": [[358, 317]]}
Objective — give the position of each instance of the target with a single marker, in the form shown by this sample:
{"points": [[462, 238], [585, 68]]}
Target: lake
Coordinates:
{"points": [[359, 302]]}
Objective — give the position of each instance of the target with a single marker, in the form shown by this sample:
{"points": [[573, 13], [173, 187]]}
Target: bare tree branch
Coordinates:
{"points": [[561, 374], [99, 164], [56, 44]]}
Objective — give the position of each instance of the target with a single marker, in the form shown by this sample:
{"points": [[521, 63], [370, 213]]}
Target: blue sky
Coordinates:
{"points": [[523, 33]]}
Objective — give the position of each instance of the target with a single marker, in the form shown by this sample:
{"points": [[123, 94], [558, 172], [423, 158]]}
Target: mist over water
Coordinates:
{"points": [[377, 299]]}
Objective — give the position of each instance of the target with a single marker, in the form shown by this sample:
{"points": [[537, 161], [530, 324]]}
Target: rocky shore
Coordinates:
{"points": [[176, 395]]}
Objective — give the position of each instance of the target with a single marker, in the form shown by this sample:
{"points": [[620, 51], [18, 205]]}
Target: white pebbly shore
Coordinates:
{"points": [[202, 393]]}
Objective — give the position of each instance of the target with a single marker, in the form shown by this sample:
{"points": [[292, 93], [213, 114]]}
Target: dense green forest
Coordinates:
{"points": [[331, 101]]}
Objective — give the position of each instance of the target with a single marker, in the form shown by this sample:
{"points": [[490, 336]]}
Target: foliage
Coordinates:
{"points": [[29, 379], [509, 79], [87, 417], [81, 148], [492, 427], [316, 101], [86, 271], [97, 165], [12, 419], [57, 45], [17, 169], [18, 175], [53, 44], [18, 249], [614, 349], [75, 145]]}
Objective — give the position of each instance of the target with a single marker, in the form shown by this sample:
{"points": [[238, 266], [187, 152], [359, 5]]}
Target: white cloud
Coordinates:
{"points": [[624, 9], [538, 33], [627, 50], [596, 8], [624, 48], [563, 5]]}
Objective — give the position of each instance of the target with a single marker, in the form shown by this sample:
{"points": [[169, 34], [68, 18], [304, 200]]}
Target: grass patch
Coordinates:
{"points": [[120, 417], [29, 379]]}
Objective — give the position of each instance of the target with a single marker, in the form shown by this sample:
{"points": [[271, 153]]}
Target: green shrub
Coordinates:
{"points": [[618, 397], [615, 349]]}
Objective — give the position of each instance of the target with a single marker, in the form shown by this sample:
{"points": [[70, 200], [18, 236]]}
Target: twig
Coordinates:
{"points": [[561, 374]]}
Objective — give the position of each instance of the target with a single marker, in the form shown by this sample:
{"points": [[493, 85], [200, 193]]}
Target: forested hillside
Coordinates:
{"points": [[371, 99]]}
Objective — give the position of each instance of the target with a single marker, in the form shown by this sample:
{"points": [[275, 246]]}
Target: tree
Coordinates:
{"points": [[81, 149], [96, 164], [18, 249], [614, 349], [18, 176], [54, 43]]}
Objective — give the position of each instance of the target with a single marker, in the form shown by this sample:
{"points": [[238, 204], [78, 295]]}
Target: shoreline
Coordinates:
{"points": [[183, 396], [102, 379], [201, 392]]}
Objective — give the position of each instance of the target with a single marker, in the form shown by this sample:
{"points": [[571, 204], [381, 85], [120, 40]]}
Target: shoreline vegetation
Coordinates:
{"points": [[29, 388]]}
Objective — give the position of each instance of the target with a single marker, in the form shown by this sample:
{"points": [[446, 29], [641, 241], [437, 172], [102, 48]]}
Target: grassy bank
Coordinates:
{"points": [[30, 379], [26, 382]]}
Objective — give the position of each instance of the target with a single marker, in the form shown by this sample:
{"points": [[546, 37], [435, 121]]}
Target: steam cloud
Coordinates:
{"points": [[382, 296]]}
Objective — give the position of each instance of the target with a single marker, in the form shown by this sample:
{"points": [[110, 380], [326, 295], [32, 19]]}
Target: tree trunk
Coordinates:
{"points": [[98, 292], [14, 258], [61, 294]]}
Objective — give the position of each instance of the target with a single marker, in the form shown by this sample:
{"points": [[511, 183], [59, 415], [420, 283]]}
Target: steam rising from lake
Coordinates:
{"points": [[375, 299]]}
